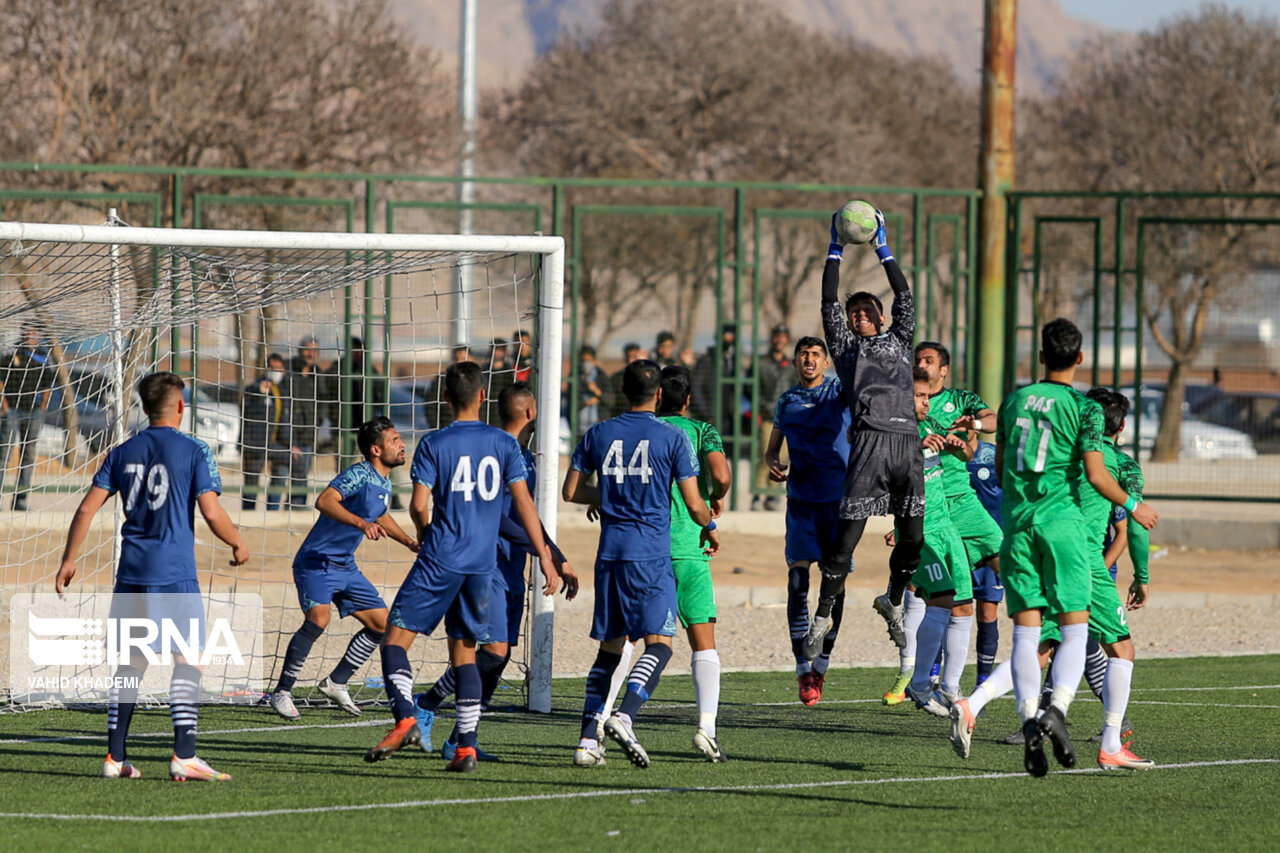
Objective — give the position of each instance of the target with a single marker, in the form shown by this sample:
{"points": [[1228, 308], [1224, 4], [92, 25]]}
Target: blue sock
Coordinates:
{"points": [[398, 679], [597, 689], [988, 644], [491, 667], [120, 704], [358, 651], [296, 654], [468, 704], [184, 693], [936, 669], [643, 681], [440, 691]]}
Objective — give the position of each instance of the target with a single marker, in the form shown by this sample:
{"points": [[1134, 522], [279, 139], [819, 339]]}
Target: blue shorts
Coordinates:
{"points": [[506, 611], [178, 602], [634, 598], [321, 581], [810, 528], [986, 585], [430, 594]]}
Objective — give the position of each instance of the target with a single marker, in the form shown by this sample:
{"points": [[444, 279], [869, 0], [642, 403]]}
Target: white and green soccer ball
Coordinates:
{"points": [[856, 222]]}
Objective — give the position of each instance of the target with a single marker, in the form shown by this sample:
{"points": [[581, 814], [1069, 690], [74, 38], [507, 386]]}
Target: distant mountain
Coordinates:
{"points": [[511, 33]]}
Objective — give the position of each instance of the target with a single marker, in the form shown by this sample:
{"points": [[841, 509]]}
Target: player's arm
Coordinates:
{"points": [[964, 445], [1095, 471], [698, 509], [420, 509], [721, 480], [330, 503], [528, 514], [396, 533], [222, 526], [773, 456], [578, 491], [1118, 543], [89, 506], [904, 309], [835, 325]]}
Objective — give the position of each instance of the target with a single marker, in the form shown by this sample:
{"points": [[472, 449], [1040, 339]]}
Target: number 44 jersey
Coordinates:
{"points": [[158, 474], [1044, 431], [635, 457]]}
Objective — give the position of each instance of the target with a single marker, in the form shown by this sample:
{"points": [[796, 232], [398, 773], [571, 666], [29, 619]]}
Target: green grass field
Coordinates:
{"points": [[846, 774]]}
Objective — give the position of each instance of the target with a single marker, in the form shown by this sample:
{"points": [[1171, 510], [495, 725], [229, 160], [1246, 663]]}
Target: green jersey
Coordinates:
{"points": [[1044, 430], [1130, 479], [945, 408], [935, 494], [685, 532], [1095, 508]]}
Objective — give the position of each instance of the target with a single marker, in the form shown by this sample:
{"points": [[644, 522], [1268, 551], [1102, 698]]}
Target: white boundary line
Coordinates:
{"points": [[574, 795]]}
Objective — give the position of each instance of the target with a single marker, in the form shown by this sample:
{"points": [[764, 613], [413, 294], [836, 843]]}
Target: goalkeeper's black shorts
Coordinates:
{"points": [[885, 476]]}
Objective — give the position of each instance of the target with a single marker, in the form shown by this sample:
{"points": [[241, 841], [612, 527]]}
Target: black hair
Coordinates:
{"points": [[641, 380], [631, 347], [155, 390], [275, 356], [514, 399], [810, 341], [944, 354], [677, 383], [1115, 407], [357, 342], [586, 349], [369, 434], [462, 383], [663, 337], [862, 296], [1060, 342], [919, 374]]}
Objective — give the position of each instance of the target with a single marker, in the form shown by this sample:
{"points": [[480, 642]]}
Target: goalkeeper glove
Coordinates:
{"points": [[880, 242], [835, 251]]}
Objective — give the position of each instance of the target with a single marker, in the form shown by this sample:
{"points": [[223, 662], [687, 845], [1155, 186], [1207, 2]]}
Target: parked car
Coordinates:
{"points": [[1255, 413], [1200, 440]]}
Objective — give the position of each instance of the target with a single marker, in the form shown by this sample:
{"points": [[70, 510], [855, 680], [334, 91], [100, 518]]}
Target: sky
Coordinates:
{"points": [[1143, 14]]}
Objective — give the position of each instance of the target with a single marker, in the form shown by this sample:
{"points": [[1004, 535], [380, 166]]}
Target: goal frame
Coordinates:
{"points": [[550, 300]]}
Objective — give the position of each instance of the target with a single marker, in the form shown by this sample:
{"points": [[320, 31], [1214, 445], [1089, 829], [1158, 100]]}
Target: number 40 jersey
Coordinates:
{"points": [[158, 474], [635, 457]]}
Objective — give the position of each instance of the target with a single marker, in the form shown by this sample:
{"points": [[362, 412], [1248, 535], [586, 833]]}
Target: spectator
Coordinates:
{"points": [[262, 415], [688, 357], [27, 387], [303, 391], [774, 370], [348, 389], [499, 375], [615, 403], [590, 378], [664, 349], [704, 377], [522, 360]]}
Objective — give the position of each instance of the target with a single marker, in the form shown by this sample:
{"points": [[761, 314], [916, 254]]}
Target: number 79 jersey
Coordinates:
{"points": [[1044, 431], [635, 457], [468, 466], [158, 474]]}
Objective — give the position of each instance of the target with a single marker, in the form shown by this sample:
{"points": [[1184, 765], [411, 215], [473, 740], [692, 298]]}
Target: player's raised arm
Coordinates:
{"points": [[835, 325], [903, 309], [89, 506], [221, 525]]}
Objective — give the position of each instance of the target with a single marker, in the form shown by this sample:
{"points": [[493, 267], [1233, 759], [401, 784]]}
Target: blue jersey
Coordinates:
{"points": [[511, 558], [365, 493], [468, 466], [159, 474], [635, 457], [982, 474], [815, 422]]}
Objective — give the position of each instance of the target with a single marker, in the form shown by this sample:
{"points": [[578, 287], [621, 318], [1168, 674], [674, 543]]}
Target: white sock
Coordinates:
{"points": [[1115, 701], [958, 630], [1068, 664], [928, 642], [620, 674], [915, 608], [1025, 667], [997, 684], [706, 688]]}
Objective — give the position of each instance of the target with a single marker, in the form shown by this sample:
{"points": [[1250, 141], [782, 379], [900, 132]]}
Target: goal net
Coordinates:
{"points": [[363, 324]]}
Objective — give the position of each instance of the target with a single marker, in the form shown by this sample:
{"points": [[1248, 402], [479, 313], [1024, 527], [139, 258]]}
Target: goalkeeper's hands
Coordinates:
{"points": [[835, 251], [880, 242]]}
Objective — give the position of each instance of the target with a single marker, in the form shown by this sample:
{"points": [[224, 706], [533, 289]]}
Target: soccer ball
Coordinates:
{"points": [[856, 222]]}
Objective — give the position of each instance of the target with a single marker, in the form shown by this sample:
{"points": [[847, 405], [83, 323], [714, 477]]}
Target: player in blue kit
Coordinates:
{"points": [[635, 457], [813, 418], [518, 408], [161, 475], [988, 592], [355, 507], [462, 469]]}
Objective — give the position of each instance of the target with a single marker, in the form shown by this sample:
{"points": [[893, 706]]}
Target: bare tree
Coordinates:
{"points": [[1190, 105]]}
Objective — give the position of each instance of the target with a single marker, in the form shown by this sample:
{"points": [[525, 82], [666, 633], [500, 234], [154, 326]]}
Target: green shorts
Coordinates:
{"points": [[942, 570], [981, 534], [1047, 566], [695, 597], [1107, 622]]}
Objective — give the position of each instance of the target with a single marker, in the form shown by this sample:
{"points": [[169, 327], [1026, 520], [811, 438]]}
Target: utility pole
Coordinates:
{"points": [[999, 42], [466, 169]]}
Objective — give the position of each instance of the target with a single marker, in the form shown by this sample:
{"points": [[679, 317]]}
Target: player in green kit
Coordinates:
{"points": [[690, 559], [1050, 445]]}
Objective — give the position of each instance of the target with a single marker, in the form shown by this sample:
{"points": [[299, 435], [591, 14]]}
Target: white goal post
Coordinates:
{"points": [[313, 263]]}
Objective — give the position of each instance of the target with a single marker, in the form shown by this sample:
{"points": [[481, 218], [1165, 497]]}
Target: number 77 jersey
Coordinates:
{"points": [[635, 457], [1044, 431]]}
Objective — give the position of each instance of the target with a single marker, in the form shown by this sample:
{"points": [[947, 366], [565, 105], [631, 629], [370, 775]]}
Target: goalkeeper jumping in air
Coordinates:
{"points": [[885, 473]]}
